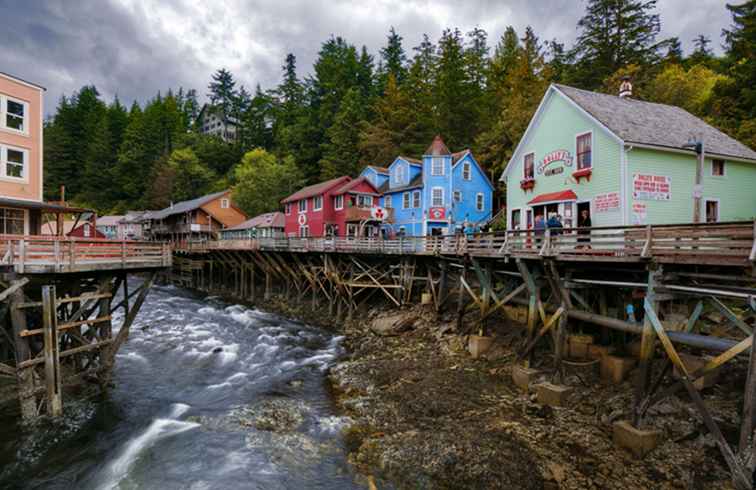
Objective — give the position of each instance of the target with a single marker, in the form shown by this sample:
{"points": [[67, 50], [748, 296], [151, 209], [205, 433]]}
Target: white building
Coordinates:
{"points": [[212, 121]]}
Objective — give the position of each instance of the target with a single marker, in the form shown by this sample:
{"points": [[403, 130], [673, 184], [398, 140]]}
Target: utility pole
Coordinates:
{"points": [[698, 187]]}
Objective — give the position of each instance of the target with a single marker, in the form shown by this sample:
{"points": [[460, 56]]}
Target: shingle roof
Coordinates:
{"points": [[637, 121], [184, 206], [380, 170], [112, 220], [417, 181], [315, 189], [411, 160], [266, 220], [352, 184], [459, 155], [438, 147]]}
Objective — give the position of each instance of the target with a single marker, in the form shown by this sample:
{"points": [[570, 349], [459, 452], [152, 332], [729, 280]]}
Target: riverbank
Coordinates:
{"points": [[427, 415]]}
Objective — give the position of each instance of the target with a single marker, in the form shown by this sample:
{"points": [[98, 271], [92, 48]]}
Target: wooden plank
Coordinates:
{"points": [[51, 352]]}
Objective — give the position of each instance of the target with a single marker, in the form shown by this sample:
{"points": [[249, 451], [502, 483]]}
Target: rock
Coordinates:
{"points": [[558, 471], [391, 325], [217, 350]]}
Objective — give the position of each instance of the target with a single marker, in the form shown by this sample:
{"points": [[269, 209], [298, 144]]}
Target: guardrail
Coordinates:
{"points": [[710, 243], [41, 254]]}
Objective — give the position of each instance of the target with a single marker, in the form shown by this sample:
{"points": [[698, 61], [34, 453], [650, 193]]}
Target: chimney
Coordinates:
{"points": [[171, 206], [626, 87]]}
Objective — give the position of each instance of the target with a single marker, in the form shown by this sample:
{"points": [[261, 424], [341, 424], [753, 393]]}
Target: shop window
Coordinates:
{"points": [[529, 166], [584, 160], [718, 168], [11, 221]]}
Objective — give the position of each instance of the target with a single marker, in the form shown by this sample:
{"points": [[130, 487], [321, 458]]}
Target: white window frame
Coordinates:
{"points": [[406, 200], [457, 196], [225, 203], [317, 203], [338, 202], [576, 163], [724, 168], [480, 201], [434, 161], [433, 197], [467, 171], [287, 208], [387, 201], [300, 207], [4, 164], [364, 201], [525, 177], [4, 110], [417, 200], [510, 223], [399, 173], [304, 231], [706, 200]]}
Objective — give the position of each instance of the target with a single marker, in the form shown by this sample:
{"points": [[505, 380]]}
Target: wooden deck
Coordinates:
{"points": [[44, 255], [731, 244]]}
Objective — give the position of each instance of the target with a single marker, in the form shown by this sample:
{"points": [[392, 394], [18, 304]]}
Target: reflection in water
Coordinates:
{"points": [[206, 396]]}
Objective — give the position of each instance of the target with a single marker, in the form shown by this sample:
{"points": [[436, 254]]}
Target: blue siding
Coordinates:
{"points": [[467, 210], [375, 178]]}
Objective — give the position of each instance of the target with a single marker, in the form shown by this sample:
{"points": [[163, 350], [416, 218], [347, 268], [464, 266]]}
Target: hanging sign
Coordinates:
{"points": [[378, 213], [604, 203], [302, 219], [555, 156], [647, 187], [639, 213], [437, 213]]}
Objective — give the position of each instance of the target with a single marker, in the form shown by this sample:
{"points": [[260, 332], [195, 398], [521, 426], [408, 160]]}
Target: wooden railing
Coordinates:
{"points": [[42, 254], [715, 243]]}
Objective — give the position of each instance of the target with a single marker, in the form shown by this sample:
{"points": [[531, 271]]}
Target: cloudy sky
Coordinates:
{"points": [[135, 48]]}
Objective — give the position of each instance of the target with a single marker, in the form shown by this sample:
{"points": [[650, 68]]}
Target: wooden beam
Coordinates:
{"points": [[51, 352]]}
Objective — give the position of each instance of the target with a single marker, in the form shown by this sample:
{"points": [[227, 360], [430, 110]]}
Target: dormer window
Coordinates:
{"points": [[529, 166], [437, 166], [399, 174]]}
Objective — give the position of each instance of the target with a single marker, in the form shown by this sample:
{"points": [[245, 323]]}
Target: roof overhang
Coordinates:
{"points": [[43, 206], [549, 197], [685, 151]]}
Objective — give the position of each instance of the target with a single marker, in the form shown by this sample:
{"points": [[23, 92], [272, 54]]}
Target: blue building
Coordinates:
{"points": [[441, 194]]}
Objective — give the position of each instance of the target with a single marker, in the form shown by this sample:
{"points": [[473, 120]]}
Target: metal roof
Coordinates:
{"points": [[637, 121], [316, 189], [266, 220], [185, 206]]}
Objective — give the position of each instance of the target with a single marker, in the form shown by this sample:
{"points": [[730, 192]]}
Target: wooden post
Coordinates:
{"points": [[268, 284], [442, 286], [461, 294], [748, 421], [648, 338], [252, 288], [24, 376], [51, 352]]}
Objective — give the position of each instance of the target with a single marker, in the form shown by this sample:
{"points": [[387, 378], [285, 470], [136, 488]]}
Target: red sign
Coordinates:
{"points": [[603, 203], [555, 156], [302, 219], [437, 213], [648, 187]]}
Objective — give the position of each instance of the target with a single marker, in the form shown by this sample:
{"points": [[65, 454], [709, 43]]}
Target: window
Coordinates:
{"points": [[304, 231], [317, 203], [529, 166], [405, 200], [457, 196], [466, 171], [338, 202], [437, 166], [224, 203], [717, 168], [584, 151], [287, 208], [364, 201], [516, 217], [416, 199], [437, 197], [479, 202], [87, 230], [387, 202], [302, 205], [13, 162], [399, 174], [14, 114], [711, 206], [11, 221]]}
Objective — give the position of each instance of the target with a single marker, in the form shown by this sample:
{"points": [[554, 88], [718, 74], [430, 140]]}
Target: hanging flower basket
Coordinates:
{"points": [[582, 174], [527, 184]]}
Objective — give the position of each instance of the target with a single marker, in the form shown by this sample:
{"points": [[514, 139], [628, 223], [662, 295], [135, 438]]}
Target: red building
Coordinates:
{"points": [[337, 207]]}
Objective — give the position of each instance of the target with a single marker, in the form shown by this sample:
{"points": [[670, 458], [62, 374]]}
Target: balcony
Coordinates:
{"points": [[355, 213]]}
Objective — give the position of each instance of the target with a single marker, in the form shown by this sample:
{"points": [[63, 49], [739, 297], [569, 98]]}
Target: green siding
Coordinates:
{"points": [[736, 191], [559, 124]]}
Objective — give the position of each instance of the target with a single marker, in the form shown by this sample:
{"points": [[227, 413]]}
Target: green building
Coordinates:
{"points": [[625, 162]]}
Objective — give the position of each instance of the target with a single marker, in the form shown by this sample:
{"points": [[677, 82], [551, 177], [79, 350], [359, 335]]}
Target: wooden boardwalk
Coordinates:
{"points": [[729, 244], [46, 255]]}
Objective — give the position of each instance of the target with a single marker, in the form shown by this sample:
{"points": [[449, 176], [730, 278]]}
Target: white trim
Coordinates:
{"points": [[388, 201], [482, 198], [719, 208], [625, 205], [545, 203], [441, 160], [41, 145], [510, 219], [578, 135], [541, 107], [432, 197], [406, 200], [4, 98], [467, 166], [419, 199], [336, 199], [287, 209], [315, 207], [299, 206], [724, 168], [525, 177], [4, 161], [225, 203]]}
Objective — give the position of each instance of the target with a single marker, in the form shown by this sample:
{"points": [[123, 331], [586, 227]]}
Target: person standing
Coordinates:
{"points": [[584, 234]]}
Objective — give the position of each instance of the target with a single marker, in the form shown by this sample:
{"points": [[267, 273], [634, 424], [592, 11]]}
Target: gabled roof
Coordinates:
{"points": [[438, 147], [265, 220], [112, 220], [456, 157], [380, 170], [354, 183], [185, 206], [416, 182], [637, 121], [316, 189], [413, 161]]}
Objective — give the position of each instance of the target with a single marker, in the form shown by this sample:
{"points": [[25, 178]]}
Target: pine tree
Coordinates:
{"points": [[134, 162], [393, 60], [613, 34], [702, 54], [340, 153], [452, 95], [258, 122], [222, 91], [674, 51], [419, 88]]}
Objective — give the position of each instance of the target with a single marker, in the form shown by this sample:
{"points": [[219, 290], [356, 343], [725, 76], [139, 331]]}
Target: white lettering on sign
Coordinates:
{"points": [[647, 187], [639, 213], [604, 203], [555, 156]]}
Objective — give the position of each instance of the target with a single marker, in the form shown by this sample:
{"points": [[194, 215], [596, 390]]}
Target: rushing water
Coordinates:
{"points": [[175, 420]]}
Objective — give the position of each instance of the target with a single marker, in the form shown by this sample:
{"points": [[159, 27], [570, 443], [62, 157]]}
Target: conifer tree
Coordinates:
{"points": [[393, 60], [340, 153], [222, 91], [452, 91]]}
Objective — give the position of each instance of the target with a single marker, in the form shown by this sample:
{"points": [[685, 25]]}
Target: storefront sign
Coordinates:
{"points": [[302, 219], [647, 187], [555, 156], [437, 213], [378, 213], [604, 203], [639, 213]]}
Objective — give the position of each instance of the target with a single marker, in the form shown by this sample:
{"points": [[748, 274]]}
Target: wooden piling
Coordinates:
{"points": [[54, 401]]}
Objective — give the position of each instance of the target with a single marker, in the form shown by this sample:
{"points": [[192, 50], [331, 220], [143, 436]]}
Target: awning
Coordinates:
{"points": [[44, 206], [554, 196]]}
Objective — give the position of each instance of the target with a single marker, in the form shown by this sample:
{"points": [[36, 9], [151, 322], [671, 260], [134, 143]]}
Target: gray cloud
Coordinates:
{"points": [[134, 48]]}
